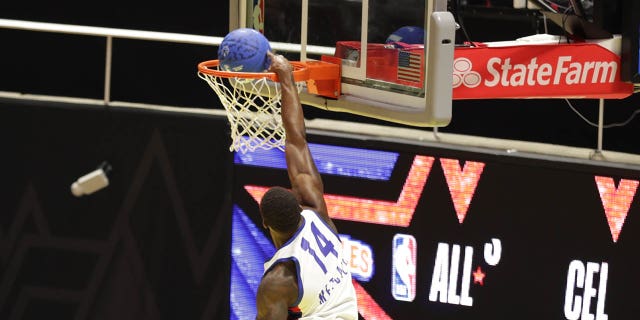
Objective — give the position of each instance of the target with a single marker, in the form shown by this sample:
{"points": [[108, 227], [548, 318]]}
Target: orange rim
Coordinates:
{"points": [[210, 67]]}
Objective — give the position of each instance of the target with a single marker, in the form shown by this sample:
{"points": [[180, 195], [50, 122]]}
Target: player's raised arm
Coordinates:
{"points": [[305, 179]]}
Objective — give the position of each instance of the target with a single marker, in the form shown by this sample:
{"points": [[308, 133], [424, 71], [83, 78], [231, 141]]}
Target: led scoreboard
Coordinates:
{"points": [[437, 233]]}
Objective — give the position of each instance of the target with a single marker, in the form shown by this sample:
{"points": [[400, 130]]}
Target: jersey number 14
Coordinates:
{"points": [[325, 246]]}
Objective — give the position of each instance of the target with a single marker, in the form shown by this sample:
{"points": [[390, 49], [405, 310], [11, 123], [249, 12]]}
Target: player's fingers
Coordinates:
{"points": [[278, 61], [272, 61]]}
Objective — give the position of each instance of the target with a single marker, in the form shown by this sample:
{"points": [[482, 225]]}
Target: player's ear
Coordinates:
{"points": [[264, 224]]}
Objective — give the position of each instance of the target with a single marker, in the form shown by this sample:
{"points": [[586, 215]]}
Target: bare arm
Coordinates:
{"points": [[277, 291], [305, 179]]}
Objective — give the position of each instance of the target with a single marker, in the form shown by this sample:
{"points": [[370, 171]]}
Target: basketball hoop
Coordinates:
{"points": [[252, 99], [252, 104]]}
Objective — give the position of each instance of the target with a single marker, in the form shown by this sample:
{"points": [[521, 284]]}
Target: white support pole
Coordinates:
{"points": [[243, 13], [304, 30], [234, 15], [364, 38]]}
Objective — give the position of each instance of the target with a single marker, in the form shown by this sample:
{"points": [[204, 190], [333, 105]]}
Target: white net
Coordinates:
{"points": [[253, 111]]}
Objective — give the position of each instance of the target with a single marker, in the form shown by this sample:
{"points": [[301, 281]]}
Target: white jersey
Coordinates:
{"points": [[325, 288]]}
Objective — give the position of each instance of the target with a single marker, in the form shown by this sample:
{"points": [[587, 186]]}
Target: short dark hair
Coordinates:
{"points": [[280, 209]]}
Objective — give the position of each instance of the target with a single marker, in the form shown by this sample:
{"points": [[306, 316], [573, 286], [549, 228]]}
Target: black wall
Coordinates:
{"points": [[152, 245]]}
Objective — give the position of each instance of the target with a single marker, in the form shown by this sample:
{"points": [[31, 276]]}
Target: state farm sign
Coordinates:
{"points": [[538, 71]]}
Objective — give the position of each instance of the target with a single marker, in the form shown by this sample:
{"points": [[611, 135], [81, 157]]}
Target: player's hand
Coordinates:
{"points": [[279, 64]]}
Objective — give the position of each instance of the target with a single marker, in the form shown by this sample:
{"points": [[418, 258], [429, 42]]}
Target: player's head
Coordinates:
{"points": [[280, 210]]}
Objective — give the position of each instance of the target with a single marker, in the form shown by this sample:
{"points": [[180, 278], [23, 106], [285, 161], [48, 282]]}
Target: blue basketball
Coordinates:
{"points": [[408, 35], [244, 50]]}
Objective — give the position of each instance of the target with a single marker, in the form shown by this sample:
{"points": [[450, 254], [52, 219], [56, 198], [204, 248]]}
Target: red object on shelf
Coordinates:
{"points": [[382, 61]]}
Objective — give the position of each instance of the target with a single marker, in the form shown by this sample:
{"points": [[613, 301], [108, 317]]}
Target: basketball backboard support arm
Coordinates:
{"points": [[241, 15]]}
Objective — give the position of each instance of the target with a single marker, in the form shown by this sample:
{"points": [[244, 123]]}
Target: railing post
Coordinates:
{"points": [[600, 125], [107, 71]]}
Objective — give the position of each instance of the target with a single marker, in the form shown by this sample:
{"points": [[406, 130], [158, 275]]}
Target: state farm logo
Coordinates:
{"points": [[463, 75], [503, 72]]}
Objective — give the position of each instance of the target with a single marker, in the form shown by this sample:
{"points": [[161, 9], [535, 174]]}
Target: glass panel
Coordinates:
{"points": [[329, 21], [395, 36], [395, 55]]}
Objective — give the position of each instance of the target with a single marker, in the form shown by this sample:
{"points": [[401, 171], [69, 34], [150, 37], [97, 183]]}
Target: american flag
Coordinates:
{"points": [[409, 66]]}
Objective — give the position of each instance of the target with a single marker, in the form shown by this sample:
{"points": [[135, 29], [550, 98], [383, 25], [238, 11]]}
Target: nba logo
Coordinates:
{"points": [[403, 277]]}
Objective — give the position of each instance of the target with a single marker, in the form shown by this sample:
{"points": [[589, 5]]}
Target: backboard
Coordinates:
{"points": [[385, 73]]}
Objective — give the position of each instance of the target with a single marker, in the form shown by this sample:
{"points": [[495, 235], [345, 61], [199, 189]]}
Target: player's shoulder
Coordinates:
{"points": [[277, 290], [279, 271], [281, 278]]}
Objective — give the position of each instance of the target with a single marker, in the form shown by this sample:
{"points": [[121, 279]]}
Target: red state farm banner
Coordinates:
{"points": [[578, 70]]}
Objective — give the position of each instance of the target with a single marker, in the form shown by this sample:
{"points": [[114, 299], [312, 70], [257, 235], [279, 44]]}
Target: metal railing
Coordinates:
{"points": [[110, 33]]}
